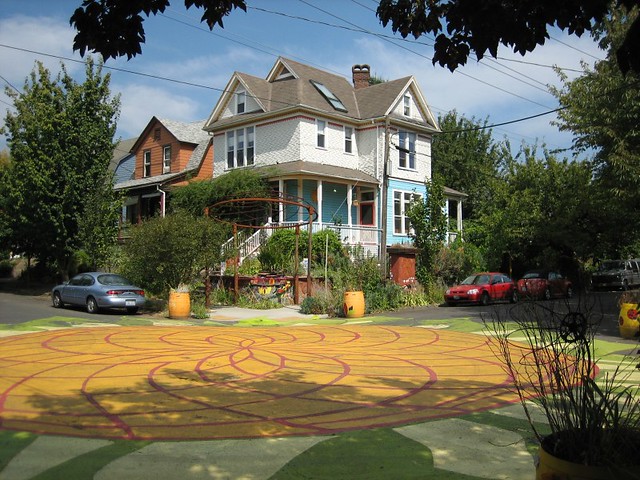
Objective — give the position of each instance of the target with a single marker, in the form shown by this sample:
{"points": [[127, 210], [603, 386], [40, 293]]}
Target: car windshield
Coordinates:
{"points": [[475, 280], [112, 279], [533, 275], [611, 265]]}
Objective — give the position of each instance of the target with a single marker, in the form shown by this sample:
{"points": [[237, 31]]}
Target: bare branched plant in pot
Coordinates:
{"points": [[549, 351]]}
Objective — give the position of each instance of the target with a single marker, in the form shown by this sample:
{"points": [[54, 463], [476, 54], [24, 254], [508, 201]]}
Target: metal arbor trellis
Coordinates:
{"points": [[250, 213]]}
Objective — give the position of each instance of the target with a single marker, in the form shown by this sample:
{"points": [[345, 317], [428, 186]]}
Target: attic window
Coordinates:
{"points": [[330, 97]]}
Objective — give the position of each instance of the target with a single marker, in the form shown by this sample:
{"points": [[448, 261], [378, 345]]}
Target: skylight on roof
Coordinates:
{"points": [[329, 96]]}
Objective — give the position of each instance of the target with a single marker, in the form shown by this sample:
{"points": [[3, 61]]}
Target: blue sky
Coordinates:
{"points": [[329, 34]]}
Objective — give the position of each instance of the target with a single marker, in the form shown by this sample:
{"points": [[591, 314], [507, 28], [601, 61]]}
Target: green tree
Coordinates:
{"points": [[602, 110], [114, 28], [429, 223], [5, 228], [468, 159], [462, 27], [61, 141], [196, 196], [539, 216], [167, 252]]}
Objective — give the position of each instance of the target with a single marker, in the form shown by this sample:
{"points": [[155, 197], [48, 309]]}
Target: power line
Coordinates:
{"points": [[158, 77]]}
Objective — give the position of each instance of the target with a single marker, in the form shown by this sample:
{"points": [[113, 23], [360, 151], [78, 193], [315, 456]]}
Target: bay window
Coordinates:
{"points": [[241, 147]]}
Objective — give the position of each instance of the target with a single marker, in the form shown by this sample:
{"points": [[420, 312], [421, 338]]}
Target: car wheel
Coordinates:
{"points": [[625, 285], [484, 299], [569, 292], [547, 294], [132, 310], [514, 296], [92, 305], [57, 300]]}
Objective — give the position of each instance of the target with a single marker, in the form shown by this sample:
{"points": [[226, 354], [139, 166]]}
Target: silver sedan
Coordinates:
{"points": [[96, 290]]}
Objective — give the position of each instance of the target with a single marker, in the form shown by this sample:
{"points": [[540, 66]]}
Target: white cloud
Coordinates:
{"points": [[140, 103], [25, 38]]}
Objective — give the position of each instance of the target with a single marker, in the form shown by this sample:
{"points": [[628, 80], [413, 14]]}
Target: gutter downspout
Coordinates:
{"points": [[163, 198]]}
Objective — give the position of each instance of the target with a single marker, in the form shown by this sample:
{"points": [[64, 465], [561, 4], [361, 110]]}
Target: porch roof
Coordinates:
{"points": [[301, 167]]}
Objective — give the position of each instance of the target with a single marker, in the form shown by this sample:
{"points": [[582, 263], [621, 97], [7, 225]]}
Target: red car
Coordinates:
{"points": [[544, 284], [483, 288]]}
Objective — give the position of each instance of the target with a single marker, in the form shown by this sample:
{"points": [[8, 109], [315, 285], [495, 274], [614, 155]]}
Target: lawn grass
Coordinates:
{"points": [[85, 467]]}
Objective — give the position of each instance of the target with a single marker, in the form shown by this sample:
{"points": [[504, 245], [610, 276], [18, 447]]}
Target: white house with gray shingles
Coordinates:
{"points": [[356, 152]]}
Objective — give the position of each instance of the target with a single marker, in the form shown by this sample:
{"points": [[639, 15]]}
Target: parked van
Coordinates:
{"points": [[622, 274]]}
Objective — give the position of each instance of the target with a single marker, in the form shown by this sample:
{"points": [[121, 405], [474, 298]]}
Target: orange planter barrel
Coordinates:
{"points": [[354, 304], [550, 468], [179, 304], [628, 320]]}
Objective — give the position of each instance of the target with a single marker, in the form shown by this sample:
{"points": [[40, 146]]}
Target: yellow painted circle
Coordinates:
{"points": [[222, 382]]}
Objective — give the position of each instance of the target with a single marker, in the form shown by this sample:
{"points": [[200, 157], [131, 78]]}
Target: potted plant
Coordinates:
{"points": [[594, 419]]}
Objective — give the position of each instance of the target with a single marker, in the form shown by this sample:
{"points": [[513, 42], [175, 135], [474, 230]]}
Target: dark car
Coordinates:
{"points": [[619, 274], [96, 290], [483, 288], [544, 284]]}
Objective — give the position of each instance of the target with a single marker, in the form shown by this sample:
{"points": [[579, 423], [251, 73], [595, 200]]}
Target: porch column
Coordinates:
{"points": [[459, 217], [319, 209], [349, 203], [281, 205], [300, 195]]}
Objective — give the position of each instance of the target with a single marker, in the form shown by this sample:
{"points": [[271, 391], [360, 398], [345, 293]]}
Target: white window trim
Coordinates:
{"points": [[146, 162], [411, 153], [241, 95], [166, 167], [349, 138], [321, 133], [404, 203], [406, 105], [245, 135]]}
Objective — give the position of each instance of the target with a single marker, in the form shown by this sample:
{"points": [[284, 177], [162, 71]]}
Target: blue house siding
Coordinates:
{"points": [[309, 188], [401, 186], [334, 203], [290, 211], [125, 169]]}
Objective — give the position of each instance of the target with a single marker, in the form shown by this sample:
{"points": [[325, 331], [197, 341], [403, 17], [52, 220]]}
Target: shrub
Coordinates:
{"points": [[456, 261], [250, 266], [6, 268], [167, 252], [313, 305], [385, 296], [199, 310]]}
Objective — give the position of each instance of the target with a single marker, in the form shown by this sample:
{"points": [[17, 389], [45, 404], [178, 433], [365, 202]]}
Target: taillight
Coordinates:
{"points": [[114, 292], [140, 292]]}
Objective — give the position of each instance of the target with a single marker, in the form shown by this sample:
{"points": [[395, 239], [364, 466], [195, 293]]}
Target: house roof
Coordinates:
{"points": [[289, 86], [301, 167], [450, 192], [121, 151], [191, 133], [186, 132]]}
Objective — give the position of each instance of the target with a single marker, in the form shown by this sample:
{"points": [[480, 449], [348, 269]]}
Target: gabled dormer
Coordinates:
{"points": [[243, 95]]}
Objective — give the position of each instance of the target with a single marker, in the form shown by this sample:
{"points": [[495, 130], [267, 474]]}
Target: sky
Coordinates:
{"points": [[184, 67]]}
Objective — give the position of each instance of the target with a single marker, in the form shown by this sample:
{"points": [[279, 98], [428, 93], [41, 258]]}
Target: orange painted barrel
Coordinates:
{"points": [[550, 467], [179, 304], [354, 304]]}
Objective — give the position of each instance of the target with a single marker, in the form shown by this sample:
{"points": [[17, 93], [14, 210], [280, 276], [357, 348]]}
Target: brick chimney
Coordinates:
{"points": [[360, 76]]}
